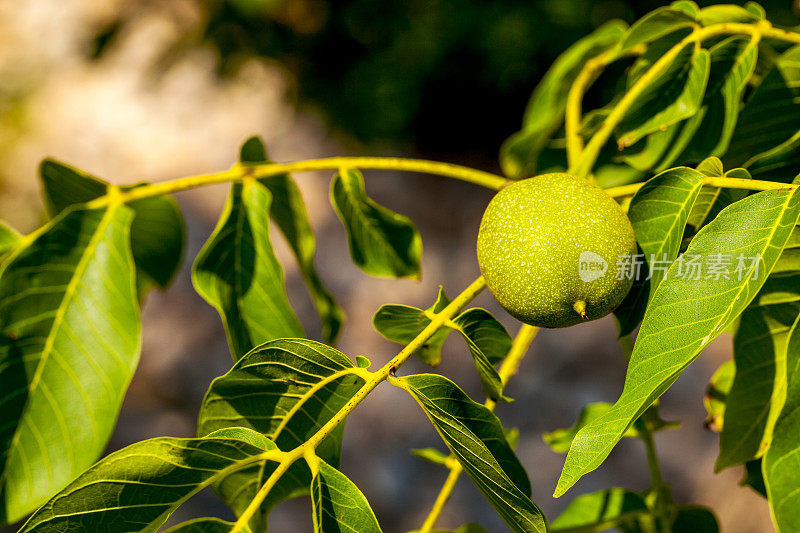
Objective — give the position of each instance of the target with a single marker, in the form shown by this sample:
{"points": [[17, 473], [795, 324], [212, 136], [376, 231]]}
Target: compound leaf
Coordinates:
{"points": [[237, 273], [288, 211], [476, 438], [69, 343], [381, 242], [659, 23], [698, 306]]}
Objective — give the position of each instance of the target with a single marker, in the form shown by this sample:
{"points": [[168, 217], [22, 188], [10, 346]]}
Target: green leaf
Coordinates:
{"points": [[203, 525], [286, 389], [545, 111], [601, 510], [288, 211], [770, 116], [759, 386], [560, 440], [139, 487], [432, 455], [658, 212], [9, 239], [659, 23], [754, 477], [756, 227], [781, 464], [466, 528], [338, 504], [381, 242], [157, 232], [709, 131], [402, 323], [475, 436], [695, 519], [674, 96], [720, 14], [488, 343], [716, 396], [237, 273], [712, 200], [69, 343]]}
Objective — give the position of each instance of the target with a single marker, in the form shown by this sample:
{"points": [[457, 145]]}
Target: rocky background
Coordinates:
{"points": [[127, 115]]}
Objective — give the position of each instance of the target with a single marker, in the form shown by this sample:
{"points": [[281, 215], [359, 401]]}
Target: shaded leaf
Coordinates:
{"points": [[431, 455], [203, 525], [756, 227], [754, 477], [716, 395], [139, 487], [69, 343], [600, 511], [475, 436], [770, 116], [402, 323], [382, 243], [712, 200], [781, 464], [545, 111], [288, 211], [695, 519], [237, 273], [759, 386], [488, 343], [675, 95], [338, 504], [157, 232]]}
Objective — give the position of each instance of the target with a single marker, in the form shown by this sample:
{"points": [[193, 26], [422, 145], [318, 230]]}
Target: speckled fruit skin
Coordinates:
{"points": [[530, 243]]}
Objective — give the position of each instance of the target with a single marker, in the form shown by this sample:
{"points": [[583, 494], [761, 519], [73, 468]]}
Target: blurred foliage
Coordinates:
{"points": [[451, 76]]}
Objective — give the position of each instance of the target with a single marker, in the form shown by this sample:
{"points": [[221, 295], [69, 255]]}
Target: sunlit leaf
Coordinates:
{"points": [[69, 343], [237, 273], [338, 505], [545, 112], [720, 14], [9, 239], [288, 211], [700, 307], [712, 200], [475, 436], [382, 243], [139, 487], [600, 511]]}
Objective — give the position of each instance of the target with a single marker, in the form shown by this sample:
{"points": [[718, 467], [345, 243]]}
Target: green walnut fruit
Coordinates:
{"points": [[551, 248]]}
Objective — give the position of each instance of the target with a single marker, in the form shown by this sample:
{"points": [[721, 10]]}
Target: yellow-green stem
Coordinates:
{"points": [[722, 182], [582, 164], [371, 380], [508, 368], [263, 170]]}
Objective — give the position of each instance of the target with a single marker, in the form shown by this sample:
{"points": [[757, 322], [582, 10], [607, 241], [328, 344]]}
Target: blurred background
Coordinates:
{"points": [[134, 90]]}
